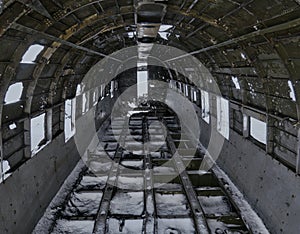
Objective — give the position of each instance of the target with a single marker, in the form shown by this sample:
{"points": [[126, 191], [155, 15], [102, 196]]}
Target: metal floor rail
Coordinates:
{"points": [[126, 187]]}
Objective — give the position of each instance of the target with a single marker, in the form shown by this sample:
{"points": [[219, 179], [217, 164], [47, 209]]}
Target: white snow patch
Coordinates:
{"points": [[235, 80], [131, 34], [130, 113], [37, 132], [14, 93], [112, 88], [164, 35], [97, 167], [74, 226], [243, 56], [176, 226], [215, 205], [49, 216], [83, 203], [164, 170], [79, 89], [31, 54], [168, 186], [132, 105], [131, 183], [6, 168], [248, 214], [85, 102], [246, 211], [171, 204], [98, 182], [136, 164], [116, 226], [133, 205], [292, 92], [95, 96], [165, 27]]}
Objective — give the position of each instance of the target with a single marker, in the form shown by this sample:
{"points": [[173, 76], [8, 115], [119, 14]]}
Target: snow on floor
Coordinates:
{"points": [[171, 204], [164, 170], [131, 183], [249, 215], [176, 226], [83, 204], [221, 224], [168, 186], [49, 217], [111, 146], [134, 204], [99, 167], [125, 226], [138, 164], [215, 205], [91, 182], [74, 226], [155, 154], [6, 168]]}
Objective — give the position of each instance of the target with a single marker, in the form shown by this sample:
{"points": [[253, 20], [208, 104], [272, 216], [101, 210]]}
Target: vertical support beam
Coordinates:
{"points": [[62, 117], [1, 157], [198, 98], [246, 125], [298, 153], [48, 124], [27, 142], [270, 135]]}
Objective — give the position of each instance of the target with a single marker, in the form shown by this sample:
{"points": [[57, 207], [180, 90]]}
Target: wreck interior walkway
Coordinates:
{"points": [[134, 181]]}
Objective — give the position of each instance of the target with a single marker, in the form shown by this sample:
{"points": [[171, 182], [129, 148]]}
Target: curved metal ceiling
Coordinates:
{"points": [[256, 41]]}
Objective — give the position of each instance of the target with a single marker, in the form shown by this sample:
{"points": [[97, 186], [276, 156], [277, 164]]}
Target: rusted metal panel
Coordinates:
{"points": [[286, 140], [16, 159], [13, 145], [285, 156], [13, 111], [8, 133], [298, 154], [39, 103]]}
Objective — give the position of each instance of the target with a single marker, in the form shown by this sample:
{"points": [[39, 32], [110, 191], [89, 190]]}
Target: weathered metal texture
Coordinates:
{"points": [[37, 6], [7, 18], [23, 200], [12, 147], [57, 76], [72, 7], [257, 174], [216, 32]]}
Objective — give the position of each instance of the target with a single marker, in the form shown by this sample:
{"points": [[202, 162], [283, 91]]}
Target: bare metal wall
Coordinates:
{"points": [[270, 187]]}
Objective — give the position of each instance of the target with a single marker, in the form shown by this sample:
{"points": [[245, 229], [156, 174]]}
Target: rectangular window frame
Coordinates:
{"points": [[69, 124], [34, 144], [205, 102], [223, 117]]}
